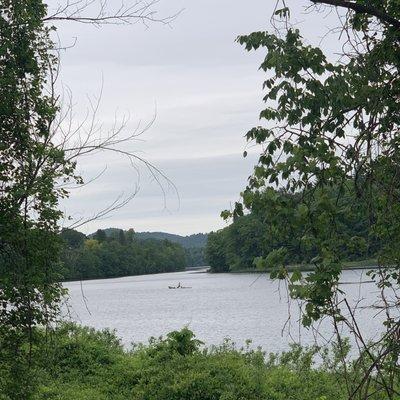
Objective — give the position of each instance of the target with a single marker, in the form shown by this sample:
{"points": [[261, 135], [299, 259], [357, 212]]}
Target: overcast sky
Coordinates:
{"points": [[206, 92]]}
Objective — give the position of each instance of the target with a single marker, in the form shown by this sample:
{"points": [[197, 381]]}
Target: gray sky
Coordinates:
{"points": [[206, 90]]}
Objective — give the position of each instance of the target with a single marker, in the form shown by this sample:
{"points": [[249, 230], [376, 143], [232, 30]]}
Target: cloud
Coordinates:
{"points": [[205, 187], [206, 91]]}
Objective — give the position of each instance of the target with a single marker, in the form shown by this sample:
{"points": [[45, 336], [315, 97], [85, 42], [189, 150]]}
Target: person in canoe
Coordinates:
{"points": [[179, 287], [175, 287]]}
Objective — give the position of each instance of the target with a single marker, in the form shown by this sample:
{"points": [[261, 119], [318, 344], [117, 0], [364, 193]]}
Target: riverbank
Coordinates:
{"points": [[348, 265], [84, 364]]}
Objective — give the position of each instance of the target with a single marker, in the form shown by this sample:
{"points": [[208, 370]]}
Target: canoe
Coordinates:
{"points": [[181, 287]]}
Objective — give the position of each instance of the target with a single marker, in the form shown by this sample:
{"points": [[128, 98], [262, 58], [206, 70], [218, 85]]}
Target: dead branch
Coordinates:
{"points": [[98, 12]]}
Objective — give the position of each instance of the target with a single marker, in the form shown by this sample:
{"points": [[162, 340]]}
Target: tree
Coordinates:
{"points": [[214, 252], [73, 239], [334, 124], [37, 163], [31, 165], [121, 237], [130, 235], [100, 236]]}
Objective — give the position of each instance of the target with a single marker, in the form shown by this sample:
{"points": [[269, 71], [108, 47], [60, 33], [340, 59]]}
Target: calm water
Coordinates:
{"points": [[238, 306]]}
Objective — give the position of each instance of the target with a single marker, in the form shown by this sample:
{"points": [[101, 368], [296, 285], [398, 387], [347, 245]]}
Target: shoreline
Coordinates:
{"points": [[364, 264], [356, 265]]}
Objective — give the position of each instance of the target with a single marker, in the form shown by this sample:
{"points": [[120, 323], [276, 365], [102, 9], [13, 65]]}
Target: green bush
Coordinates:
{"points": [[77, 363]]}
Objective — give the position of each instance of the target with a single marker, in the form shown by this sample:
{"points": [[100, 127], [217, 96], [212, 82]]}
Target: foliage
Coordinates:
{"points": [[71, 238], [331, 127], [236, 246], [32, 170], [193, 244], [195, 256], [197, 240], [85, 364], [274, 235], [39, 146], [120, 255], [215, 251]]}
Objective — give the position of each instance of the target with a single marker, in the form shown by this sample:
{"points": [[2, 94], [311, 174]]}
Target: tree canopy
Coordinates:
{"points": [[332, 124], [273, 236], [31, 170], [117, 255], [38, 155]]}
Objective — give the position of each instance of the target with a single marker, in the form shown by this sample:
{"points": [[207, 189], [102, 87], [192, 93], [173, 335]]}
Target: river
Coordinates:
{"points": [[217, 306]]}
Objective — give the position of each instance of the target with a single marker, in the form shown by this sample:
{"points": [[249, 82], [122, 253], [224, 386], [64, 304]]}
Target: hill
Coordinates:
{"points": [[197, 240], [193, 244]]}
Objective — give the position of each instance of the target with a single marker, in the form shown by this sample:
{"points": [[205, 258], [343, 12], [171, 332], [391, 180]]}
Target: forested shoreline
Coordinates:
{"points": [[273, 234], [263, 239], [115, 253]]}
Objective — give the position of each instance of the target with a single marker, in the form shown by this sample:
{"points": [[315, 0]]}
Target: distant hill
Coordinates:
{"points": [[193, 244], [197, 240]]}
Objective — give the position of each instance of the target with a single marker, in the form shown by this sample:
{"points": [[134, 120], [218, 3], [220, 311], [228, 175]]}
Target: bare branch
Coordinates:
{"points": [[85, 136], [97, 12]]}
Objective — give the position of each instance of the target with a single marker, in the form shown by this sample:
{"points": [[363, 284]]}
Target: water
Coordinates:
{"points": [[218, 306]]}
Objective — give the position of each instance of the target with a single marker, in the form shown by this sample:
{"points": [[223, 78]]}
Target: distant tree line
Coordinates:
{"points": [[195, 240], [195, 256], [274, 234], [193, 244], [103, 255]]}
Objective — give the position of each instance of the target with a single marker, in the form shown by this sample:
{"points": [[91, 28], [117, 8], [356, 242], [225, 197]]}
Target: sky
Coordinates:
{"points": [[205, 92]]}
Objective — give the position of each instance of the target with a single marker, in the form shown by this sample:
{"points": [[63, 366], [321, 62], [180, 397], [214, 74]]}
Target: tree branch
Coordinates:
{"points": [[364, 9], [97, 12]]}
